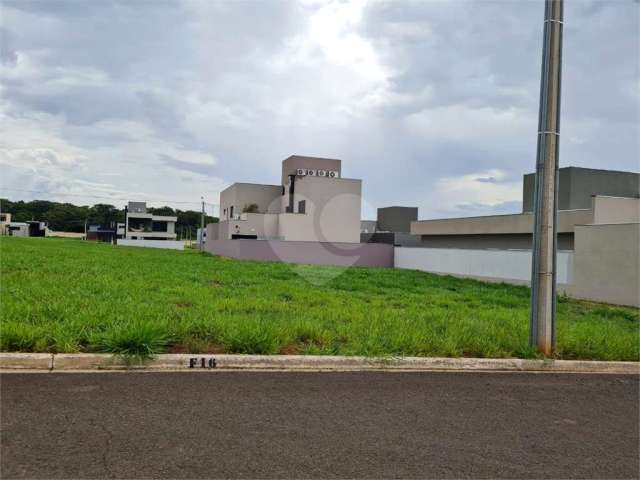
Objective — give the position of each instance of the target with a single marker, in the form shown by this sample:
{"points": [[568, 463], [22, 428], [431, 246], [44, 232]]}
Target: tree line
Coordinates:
{"points": [[66, 217]]}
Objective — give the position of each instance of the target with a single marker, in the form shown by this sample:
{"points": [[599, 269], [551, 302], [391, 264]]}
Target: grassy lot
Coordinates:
{"points": [[72, 296]]}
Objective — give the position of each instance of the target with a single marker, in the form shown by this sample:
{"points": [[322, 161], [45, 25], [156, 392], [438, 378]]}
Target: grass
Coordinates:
{"points": [[59, 295]]}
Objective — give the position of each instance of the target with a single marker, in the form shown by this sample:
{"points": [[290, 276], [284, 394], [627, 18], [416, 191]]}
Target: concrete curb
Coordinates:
{"points": [[26, 361], [212, 362]]}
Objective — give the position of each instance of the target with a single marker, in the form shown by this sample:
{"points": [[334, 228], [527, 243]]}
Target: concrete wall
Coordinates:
{"points": [[519, 241], [509, 266], [607, 263], [241, 195], [291, 164], [498, 224], [392, 238], [314, 253], [578, 185], [264, 226], [616, 210], [167, 244], [396, 219], [332, 211], [213, 231]]}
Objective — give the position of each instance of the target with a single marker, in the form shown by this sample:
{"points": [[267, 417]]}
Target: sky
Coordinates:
{"points": [[431, 103]]}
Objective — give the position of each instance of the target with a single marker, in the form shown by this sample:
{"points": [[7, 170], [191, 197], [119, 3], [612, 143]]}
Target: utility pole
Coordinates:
{"points": [[543, 271], [202, 226]]}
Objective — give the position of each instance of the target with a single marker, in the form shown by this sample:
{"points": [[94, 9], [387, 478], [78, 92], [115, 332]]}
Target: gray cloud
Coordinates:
{"points": [[413, 96]]}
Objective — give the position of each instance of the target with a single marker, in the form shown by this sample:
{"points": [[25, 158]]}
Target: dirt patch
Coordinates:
{"points": [[291, 349], [184, 304]]}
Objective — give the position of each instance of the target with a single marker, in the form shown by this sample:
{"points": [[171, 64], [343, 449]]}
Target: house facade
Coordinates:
{"points": [[598, 235], [313, 203], [585, 197], [141, 225]]}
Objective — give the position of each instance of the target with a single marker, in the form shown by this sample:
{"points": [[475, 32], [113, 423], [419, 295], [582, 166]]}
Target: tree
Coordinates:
{"points": [[66, 217]]}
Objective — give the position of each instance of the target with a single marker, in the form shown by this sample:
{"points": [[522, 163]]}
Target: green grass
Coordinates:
{"points": [[72, 296]]}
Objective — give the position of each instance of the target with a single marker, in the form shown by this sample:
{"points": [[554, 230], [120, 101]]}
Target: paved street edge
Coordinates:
{"points": [[14, 362]]}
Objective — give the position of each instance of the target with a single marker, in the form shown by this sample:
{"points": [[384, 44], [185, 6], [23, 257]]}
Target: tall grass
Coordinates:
{"points": [[72, 296]]}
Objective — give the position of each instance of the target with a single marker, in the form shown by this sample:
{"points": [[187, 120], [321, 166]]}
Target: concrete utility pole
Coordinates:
{"points": [[202, 227], [543, 272]]}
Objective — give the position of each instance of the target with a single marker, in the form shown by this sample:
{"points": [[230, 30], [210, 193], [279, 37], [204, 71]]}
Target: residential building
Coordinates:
{"points": [[5, 220], [585, 197], [16, 229], [311, 217], [21, 229], [598, 225], [141, 225], [313, 203], [102, 233], [37, 229]]}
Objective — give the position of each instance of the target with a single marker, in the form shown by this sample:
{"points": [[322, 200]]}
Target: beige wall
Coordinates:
{"points": [[239, 195], [607, 263], [616, 210], [332, 211], [293, 163], [497, 224], [265, 226]]}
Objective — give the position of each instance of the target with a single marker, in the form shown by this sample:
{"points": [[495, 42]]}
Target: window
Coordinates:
{"points": [[159, 226], [302, 206], [231, 212]]}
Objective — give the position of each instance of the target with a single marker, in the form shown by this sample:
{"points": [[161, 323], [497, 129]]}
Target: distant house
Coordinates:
{"points": [[21, 229], [16, 229], [144, 229], [140, 225], [101, 233], [5, 220], [37, 229]]}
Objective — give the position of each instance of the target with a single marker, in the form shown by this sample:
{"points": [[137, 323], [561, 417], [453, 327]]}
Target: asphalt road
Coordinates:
{"points": [[319, 425]]}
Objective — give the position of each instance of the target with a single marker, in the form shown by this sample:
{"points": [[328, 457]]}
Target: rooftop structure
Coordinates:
{"points": [[577, 185], [392, 226]]}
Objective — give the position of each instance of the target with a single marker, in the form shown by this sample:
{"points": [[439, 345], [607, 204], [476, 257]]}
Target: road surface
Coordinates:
{"points": [[318, 425]]}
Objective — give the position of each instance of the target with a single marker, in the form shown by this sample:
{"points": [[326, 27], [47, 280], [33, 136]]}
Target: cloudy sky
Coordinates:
{"points": [[431, 103]]}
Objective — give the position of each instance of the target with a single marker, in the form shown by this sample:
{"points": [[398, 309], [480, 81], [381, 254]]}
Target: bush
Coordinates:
{"points": [[140, 339]]}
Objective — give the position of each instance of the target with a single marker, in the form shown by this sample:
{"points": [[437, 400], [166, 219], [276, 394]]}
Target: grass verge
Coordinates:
{"points": [[60, 295]]}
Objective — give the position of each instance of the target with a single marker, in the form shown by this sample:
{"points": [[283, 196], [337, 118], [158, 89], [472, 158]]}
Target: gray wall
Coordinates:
{"points": [[396, 219], [578, 185], [607, 263], [399, 239], [516, 241], [313, 253]]}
